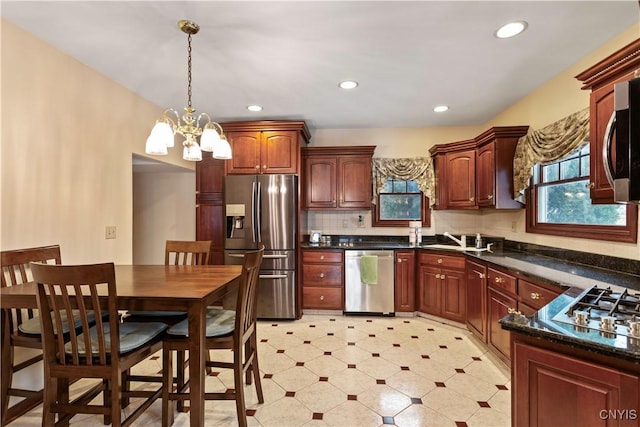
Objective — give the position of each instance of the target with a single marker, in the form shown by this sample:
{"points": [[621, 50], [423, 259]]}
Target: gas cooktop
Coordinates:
{"points": [[612, 311]]}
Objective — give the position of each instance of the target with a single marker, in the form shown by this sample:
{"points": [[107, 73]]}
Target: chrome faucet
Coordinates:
{"points": [[462, 241]]}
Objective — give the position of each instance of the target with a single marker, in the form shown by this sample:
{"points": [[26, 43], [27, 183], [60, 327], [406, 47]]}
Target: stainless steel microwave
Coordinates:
{"points": [[625, 126]]}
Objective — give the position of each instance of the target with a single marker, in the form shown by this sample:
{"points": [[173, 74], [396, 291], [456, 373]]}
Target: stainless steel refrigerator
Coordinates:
{"points": [[262, 209]]}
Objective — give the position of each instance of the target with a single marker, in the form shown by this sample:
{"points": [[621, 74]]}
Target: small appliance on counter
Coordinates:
{"points": [[315, 236]]}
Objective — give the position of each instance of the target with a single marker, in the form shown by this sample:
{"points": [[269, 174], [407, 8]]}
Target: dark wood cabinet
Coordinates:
{"points": [[532, 297], [322, 279], [477, 173], [441, 286], [405, 263], [501, 296], [553, 388], [265, 147], [476, 274], [600, 78], [337, 178], [210, 206]]}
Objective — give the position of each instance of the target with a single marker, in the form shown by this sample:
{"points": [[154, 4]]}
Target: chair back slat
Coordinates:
{"points": [[179, 252], [67, 290], [15, 271], [246, 302]]}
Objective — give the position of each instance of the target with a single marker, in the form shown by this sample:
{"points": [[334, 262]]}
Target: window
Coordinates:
{"points": [[400, 202], [559, 204]]}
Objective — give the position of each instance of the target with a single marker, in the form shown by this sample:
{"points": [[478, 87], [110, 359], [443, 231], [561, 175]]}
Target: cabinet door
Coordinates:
{"points": [[209, 175], [453, 293], [485, 175], [354, 182], [553, 389], [429, 290], [320, 183], [279, 152], [461, 179], [209, 226], [245, 148], [476, 298], [498, 306], [405, 281]]}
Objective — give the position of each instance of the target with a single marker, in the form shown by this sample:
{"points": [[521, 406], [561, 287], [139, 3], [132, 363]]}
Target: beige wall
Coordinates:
{"points": [[68, 137]]}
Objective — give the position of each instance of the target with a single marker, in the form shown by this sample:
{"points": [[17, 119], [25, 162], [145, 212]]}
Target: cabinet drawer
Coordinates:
{"points": [[321, 256], [322, 275], [438, 260], [499, 280], [322, 298], [535, 296]]}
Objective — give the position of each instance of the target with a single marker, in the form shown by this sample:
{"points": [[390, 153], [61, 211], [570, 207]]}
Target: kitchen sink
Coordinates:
{"points": [[453, 247]]}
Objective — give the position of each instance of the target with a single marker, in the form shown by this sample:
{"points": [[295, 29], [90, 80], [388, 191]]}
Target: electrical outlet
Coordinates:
{"points": [[514, 225], [110, 232]]}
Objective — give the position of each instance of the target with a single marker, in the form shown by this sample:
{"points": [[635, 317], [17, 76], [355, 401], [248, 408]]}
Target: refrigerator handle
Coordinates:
{"points": [[259, 212], [253, 211]]}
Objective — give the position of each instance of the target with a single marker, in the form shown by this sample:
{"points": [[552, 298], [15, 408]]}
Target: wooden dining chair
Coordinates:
{"points": [[20, 328], [105, 351], [226, 329]]}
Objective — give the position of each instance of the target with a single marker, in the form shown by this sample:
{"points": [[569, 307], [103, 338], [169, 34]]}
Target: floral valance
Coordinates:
{"points": [[418, 169], [546, 145]]}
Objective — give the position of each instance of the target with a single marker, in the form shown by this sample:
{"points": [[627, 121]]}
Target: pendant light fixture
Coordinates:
{"points": [[212, 138]]}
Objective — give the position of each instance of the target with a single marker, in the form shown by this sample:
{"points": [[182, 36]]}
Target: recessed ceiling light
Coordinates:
{"points": [[348, 84], [440, 108], [511, 29], [254, 108]]}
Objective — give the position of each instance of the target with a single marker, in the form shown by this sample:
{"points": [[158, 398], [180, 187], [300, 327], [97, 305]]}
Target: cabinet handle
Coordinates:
{"points": [[514, 311], [535, 295], [257, 167], [333, 201], [481, 275], [490, 196], [590, 185], [439, 260], [499, 280], [399, 260], [264, 167], [322, 275], [437, 276], [472, 199], [321, 297], [321, 256], [442, 277]]}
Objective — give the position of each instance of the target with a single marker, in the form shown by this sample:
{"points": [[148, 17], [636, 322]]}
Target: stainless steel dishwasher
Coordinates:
{"points": [[374, 298]]}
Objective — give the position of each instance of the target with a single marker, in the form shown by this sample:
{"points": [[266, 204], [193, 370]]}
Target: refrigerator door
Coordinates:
{"points": [[276, 294], [240, 202], [277, 195]]}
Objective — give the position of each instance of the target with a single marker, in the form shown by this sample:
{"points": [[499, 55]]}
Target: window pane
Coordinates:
{"points": [[569, 203], [387, 187], [570, 168], [399, 187], [584, 166], [412, 187], [550, 173], [400, 206]]}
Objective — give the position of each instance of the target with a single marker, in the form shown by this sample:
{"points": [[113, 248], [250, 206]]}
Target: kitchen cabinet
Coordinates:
{"points": [[476, 275], [551, 386], [477, 173], [337, 178], [210, 206], [532, 297], [600, 78], [265, 147], [501, 297], [441, 285], [323, 279], [405, 281]]}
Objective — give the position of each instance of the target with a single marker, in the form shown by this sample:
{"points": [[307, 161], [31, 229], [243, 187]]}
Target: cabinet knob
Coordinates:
{"points": [[535, 295], [264, 166], [472, 199], [437, 276], [442, 277], [439, 260], [481, 275], [321, 256], [399, 260], [333, 201], [490, 196], [499, 280], [321, 297], [590, 185], [322, 275]]}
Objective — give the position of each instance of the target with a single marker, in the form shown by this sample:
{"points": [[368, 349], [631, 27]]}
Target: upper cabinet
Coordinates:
{"points": [[477, 173], [265, 147], [600, 78], [337, 177]]}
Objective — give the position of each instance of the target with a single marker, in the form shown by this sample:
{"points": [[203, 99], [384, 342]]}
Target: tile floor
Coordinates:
{"points": [[326, 370]]}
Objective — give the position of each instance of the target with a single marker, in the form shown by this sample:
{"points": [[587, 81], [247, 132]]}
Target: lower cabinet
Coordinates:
{"points": [[441, 286], [405, 266], [477, 298], [323, 279], [501, 296], [551, 388]]}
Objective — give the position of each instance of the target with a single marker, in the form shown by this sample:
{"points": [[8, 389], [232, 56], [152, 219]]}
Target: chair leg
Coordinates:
{"points": [[115, 388], [256, 369], [241, 409], [62, 397], [167, 386], [180, 376], [7, 366], [48, 398]]}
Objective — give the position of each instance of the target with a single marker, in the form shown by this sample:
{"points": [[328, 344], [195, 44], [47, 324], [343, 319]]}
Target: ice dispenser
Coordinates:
{"points": [[235, 221]]}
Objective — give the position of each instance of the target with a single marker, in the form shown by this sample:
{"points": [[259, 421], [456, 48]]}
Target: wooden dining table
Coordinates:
{"points": [[189, 288]]}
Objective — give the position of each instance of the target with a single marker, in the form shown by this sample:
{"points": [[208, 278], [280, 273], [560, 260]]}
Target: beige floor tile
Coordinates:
{"points": [[378, 368], [489, 417], [410, 384], [326, 366], [422, 416], [353, 414], [472, 387], [384, 400], [321, 397], [295, 378], [285, 412], [352, 381], [446, 401]]}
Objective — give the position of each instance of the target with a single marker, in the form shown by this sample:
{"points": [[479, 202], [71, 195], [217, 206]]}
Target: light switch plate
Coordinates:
{"points": [[110, 232]]}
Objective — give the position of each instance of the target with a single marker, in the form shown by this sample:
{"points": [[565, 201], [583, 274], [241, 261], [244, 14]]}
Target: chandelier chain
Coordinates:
{"points": [[189, 72]]}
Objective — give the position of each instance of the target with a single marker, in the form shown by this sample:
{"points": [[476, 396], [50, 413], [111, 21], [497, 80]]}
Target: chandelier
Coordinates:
{"points": [[212, 138]]}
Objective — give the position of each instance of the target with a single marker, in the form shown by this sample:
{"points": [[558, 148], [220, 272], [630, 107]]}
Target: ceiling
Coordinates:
{"points": [[290, 56]]}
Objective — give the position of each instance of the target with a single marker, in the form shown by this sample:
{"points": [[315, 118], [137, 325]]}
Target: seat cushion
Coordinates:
{"points": [[156, 313], [219, 322], [132, 336], [32, 326]]}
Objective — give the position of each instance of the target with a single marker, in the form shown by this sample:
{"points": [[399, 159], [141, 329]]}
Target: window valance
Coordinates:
{"points": [[548, 144], [418, 169]]}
